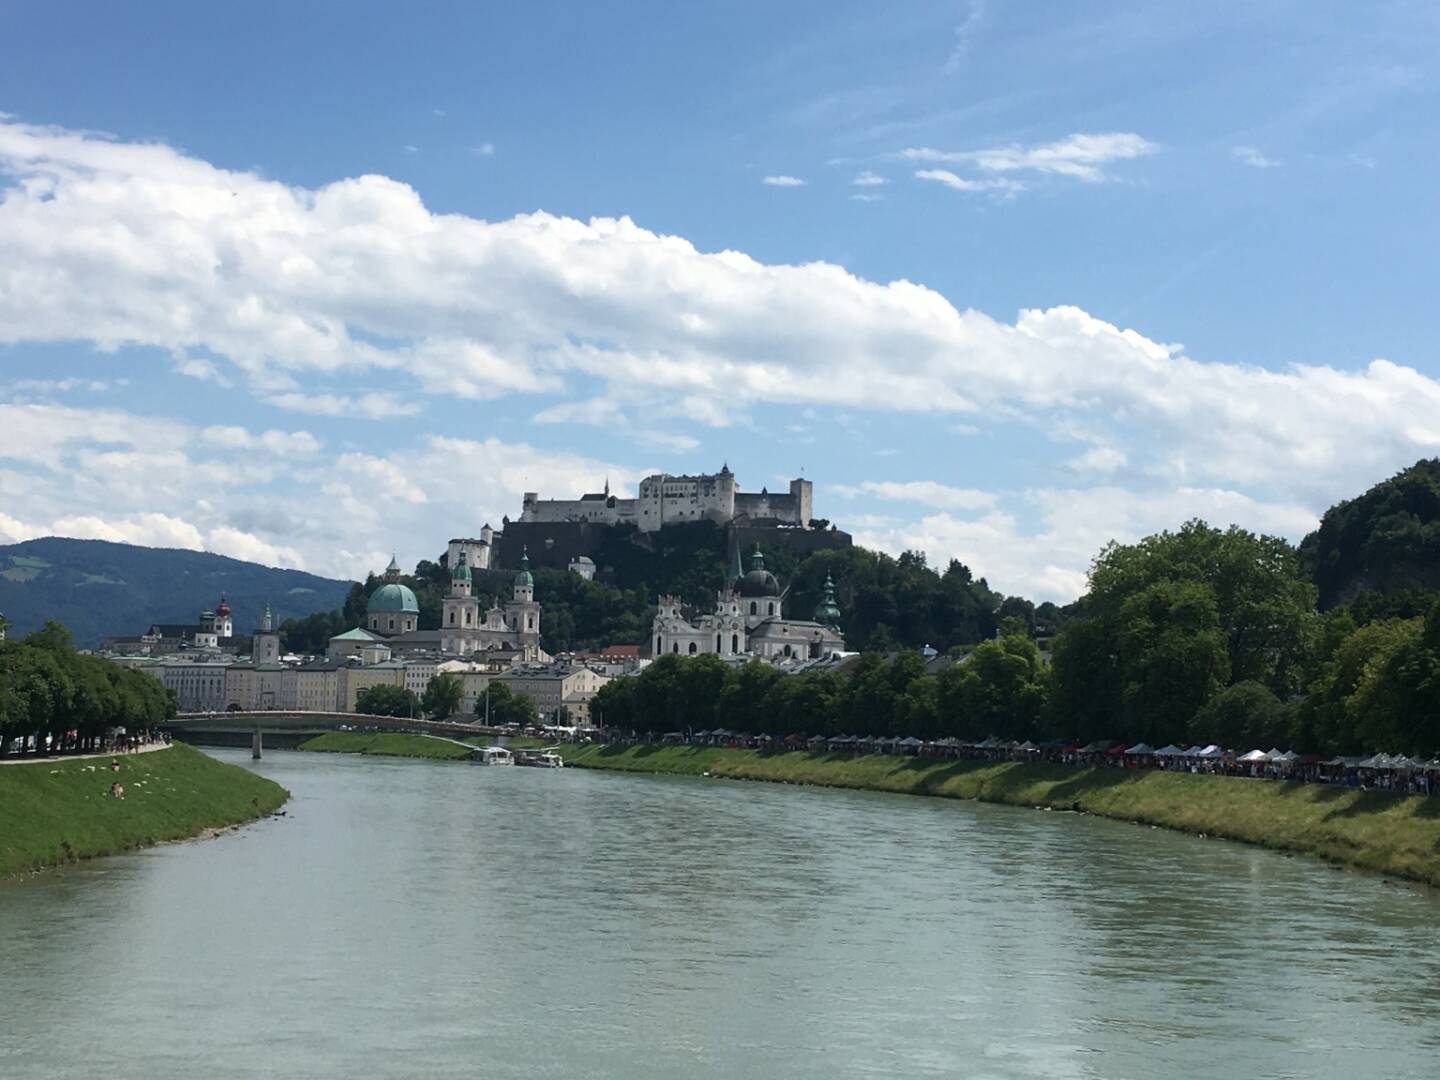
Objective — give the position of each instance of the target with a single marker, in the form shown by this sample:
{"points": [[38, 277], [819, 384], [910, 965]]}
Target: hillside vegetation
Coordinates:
{"points": [[97, 588]]}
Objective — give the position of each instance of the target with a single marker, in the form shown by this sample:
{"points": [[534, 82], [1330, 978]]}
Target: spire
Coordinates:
{"points": [[757, 560], [607, 487], [393, 570], [828, 612], [739, 570]]}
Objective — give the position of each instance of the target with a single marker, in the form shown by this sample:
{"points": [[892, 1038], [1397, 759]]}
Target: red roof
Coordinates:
{"points": [[620, 650]]}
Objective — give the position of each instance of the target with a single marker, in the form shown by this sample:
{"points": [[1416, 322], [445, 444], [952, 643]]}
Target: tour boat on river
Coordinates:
{"points": [[539, 759], [492, 755]]}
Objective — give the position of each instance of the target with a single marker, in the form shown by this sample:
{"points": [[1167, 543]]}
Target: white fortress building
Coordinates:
{"points": [[668, 500], [749, 620]]}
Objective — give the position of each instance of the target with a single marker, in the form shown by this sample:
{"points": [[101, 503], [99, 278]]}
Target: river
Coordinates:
{"points": [[413, 919]]}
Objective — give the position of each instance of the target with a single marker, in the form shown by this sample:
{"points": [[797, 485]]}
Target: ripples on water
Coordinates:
{"points": [[408, 919]]}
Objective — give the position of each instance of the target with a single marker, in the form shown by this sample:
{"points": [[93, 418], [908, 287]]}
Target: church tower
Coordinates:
{"points": [[460, 611], [522, 614], [265, 649]]}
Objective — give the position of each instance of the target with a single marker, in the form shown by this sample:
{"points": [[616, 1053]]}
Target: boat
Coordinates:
{"points": [[491, 755], [539, 759]]}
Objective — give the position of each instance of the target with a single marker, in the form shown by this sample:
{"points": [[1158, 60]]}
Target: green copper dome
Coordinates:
{"points": [[828, 612], [524, 577], [393, 596], [462, 570]]}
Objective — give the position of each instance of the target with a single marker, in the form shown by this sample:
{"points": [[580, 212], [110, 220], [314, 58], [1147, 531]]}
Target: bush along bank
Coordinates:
{"points": [[60, 810], [1391, 834]]}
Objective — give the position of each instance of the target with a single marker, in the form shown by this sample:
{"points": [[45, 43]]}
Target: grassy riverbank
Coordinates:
{"points": [[61, 810], [385, 744], [400, 744], [1390, 834]]}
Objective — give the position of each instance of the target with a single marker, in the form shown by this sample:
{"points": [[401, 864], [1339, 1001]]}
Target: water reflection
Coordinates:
{"points": [[411, 919]]}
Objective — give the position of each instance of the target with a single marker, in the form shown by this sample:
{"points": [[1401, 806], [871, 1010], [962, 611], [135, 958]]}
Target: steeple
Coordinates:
{"points": [[828, 612], [392, 572]]}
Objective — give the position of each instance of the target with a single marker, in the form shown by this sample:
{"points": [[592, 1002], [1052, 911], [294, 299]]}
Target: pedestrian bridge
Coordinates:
{"points": [[237, 728]]}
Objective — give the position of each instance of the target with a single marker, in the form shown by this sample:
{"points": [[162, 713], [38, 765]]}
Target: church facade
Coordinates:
{"points": [[465, 629], [749, 621]]}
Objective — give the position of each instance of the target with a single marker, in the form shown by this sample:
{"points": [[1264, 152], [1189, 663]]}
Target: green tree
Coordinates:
{"points": [[387, 700], [506, 707], [442, 696], [1245, 715]]}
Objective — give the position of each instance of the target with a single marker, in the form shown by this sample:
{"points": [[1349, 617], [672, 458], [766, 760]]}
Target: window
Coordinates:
{"points": [[392, 624], [735, 643], [675, 648], [659, 648], [753, 609], [772, 609], [717, 643], [452, 617], [692, 648]]}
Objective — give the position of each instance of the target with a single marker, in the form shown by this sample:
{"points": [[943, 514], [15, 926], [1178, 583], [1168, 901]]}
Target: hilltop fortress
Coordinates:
{"points": [[670, 500]]}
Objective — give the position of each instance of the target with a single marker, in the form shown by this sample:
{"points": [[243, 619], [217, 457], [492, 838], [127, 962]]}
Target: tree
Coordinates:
{"points": [[506, 707], [1244, 715], [442, 696], [387, 700], [1000, 689]]}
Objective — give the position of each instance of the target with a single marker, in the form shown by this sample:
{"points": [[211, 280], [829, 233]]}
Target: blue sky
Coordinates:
{"points": [[1006, 280]]}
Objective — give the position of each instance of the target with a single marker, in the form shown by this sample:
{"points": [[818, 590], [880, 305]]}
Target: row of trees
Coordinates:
{"points": [[47, 690], [1194, 636]]}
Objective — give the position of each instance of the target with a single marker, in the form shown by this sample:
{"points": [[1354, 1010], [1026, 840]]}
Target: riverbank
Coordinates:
{"points": [[1396, 835], [386, 744], [55, 811]]}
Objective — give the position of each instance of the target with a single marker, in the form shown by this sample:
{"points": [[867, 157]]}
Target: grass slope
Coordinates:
{"points": [[399, 744], [1391, 834], [386, 744], [58, 811]]}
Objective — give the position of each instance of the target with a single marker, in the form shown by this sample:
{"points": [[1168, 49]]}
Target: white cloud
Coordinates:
{"points": [[358, 283], [964, 33], [869, 179], [783, 181], [1249, 155], [1050, 561], [927, 492], [1099, 459], [865, 196], [372, 405], [152, 530], [485, 149], [411, 148], [1082, 156], [1008, 188]]}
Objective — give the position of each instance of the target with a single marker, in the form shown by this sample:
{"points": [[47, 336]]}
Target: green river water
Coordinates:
{"points": [[413, 919]]}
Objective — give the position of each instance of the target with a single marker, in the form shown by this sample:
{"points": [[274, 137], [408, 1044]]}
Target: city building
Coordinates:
{"points": [[555, 686], [198, 683], [749, 620], [667, 500]]}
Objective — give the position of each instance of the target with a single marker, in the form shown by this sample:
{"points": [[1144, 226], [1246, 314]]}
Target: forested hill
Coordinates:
{"points": [[885, 602], [97, 588], [1385, 541]]}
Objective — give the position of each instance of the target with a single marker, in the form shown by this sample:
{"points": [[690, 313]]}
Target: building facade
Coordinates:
{"points": [[749, 620], [666, 500], [464, 630]]}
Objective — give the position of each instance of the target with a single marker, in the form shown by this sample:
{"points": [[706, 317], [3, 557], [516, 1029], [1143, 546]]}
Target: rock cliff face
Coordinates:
{"points": [[98, 589]]}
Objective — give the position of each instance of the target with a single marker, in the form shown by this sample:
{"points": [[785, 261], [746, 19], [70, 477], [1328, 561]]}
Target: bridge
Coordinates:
{"points": [[291, 728]]}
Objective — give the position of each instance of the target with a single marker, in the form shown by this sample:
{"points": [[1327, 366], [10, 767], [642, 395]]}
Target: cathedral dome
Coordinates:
{"points": [[759, 581], [462, 569], [524, 579], [393, 596]]}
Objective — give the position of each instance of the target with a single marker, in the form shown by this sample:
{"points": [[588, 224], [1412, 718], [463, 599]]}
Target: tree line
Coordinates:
{"points": [[1194, 636], [48, 690]]}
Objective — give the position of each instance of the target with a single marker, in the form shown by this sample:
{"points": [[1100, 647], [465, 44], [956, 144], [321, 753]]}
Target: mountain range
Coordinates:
{"points": [[98, 589]]}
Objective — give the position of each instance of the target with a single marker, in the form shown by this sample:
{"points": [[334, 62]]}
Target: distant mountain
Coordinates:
{"points": [[99, 589], [1386, 540]]}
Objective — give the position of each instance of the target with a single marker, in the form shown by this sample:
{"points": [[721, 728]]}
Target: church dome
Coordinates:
{"points": [[524, 578], [462, 569], [828, 612], [759, 581], [393, 596]]}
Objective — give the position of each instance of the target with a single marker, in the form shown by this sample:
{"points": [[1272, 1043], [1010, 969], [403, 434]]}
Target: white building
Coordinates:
{"points": [[749, 620], [665, 500], [198, 684]]}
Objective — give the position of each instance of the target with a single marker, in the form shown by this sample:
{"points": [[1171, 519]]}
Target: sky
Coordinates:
{"points": [[312, 284]]}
